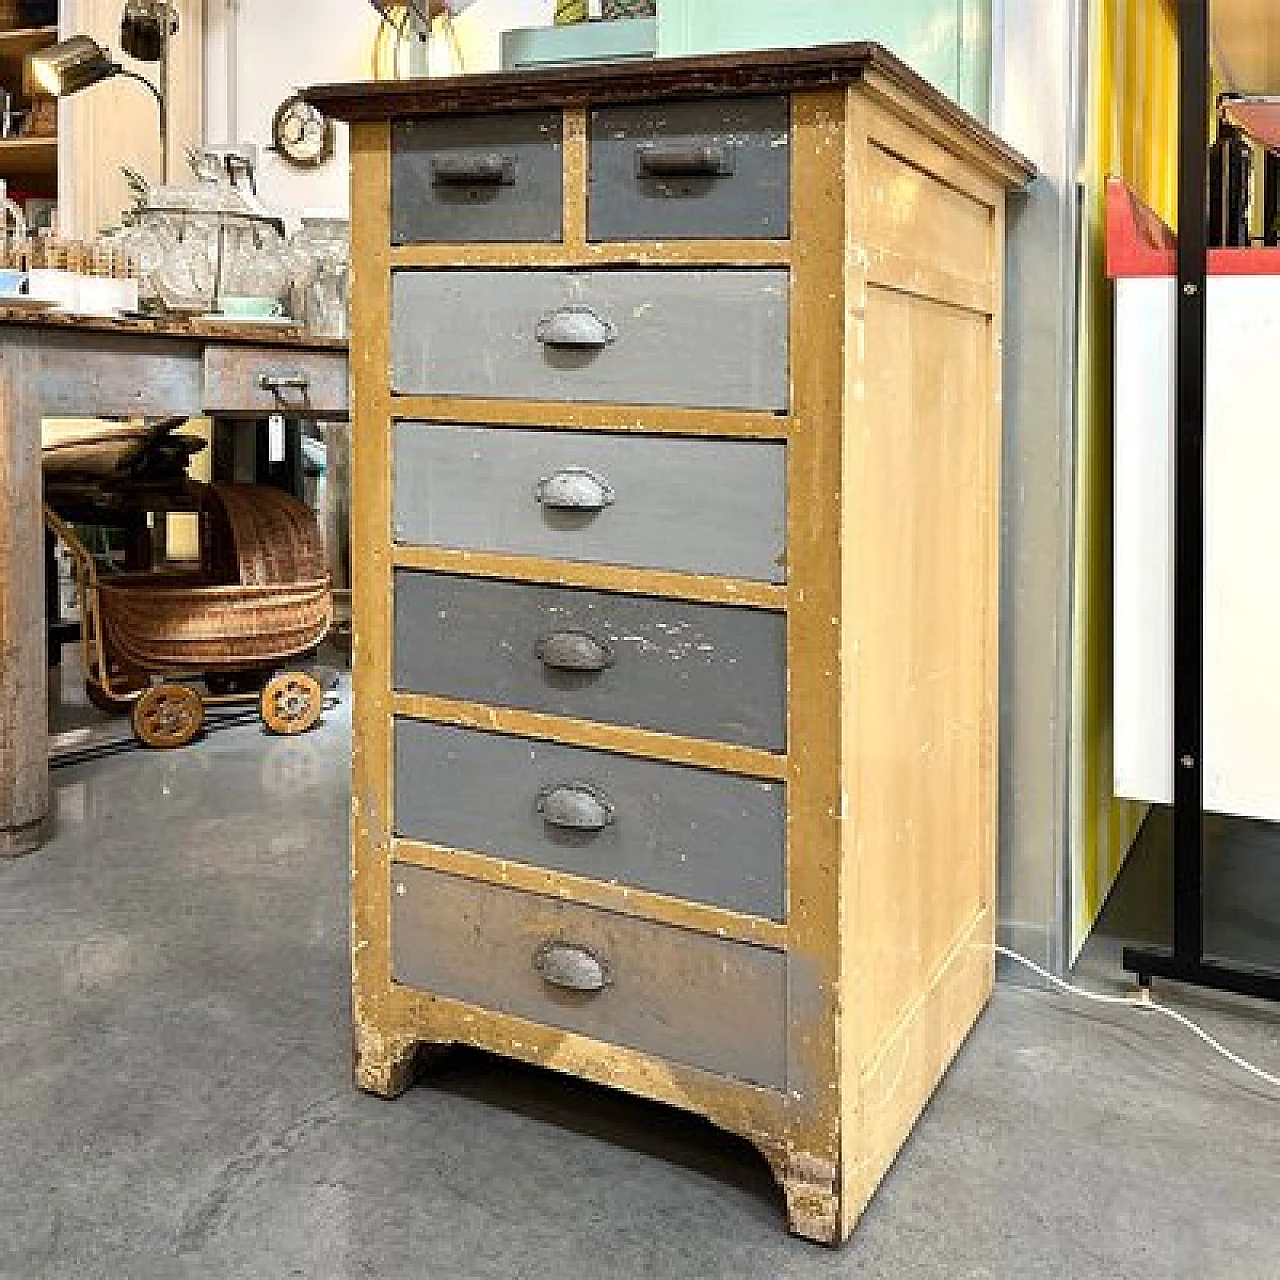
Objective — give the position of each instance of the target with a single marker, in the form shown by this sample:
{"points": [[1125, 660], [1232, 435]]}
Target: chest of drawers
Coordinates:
{"points": [[676, 462]]}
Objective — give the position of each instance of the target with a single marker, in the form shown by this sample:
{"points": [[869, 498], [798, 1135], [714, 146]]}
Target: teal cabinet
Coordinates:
{"points": [[947, 41]]}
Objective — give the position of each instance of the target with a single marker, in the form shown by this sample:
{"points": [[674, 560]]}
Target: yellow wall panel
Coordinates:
{"points": [[1133, 116]]}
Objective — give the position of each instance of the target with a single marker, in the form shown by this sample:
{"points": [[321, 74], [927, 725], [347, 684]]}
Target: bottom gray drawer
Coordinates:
{"points": [[684, 996], [687, 833]]}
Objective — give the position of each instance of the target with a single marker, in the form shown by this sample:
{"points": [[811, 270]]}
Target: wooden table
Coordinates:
{"points": [[65, 366]]}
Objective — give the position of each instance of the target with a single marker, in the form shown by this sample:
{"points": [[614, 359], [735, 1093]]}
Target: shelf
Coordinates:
{"points": [[26, 39], [14, 48], [28, 157]]}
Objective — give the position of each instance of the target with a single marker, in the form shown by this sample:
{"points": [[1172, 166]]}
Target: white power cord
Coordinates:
{"points": [[1144, 1004]]}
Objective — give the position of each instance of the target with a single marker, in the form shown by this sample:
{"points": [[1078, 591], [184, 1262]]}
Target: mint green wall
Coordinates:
{"points": [[946, 41]]}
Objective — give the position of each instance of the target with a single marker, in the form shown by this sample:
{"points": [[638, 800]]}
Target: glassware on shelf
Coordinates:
{"points": [[256, 262], [322, 275], [195, 246], [191, 256]]}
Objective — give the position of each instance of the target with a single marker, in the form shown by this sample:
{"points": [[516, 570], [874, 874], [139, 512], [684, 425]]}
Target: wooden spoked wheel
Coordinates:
{"points": [[292, 703], [168, 716]]}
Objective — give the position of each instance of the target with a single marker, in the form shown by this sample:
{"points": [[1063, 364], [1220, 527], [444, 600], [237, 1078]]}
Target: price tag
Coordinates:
{"points": [[275, 438]]}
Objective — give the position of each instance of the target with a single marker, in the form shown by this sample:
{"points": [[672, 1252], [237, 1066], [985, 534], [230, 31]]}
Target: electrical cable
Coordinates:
{"points": [[1144, 1004]]}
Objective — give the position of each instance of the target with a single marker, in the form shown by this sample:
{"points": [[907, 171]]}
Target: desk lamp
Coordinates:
{"points": [[79, 62]]}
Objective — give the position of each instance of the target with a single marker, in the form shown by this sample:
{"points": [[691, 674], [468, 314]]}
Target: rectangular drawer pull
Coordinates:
{"points": [[575, 806], [667, 160], [279, 382], [474, 168], [571, 968], [575, 326]]}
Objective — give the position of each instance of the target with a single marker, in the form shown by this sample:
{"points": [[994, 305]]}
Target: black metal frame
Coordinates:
{"points": [[1271, 200], [1186, 962]]}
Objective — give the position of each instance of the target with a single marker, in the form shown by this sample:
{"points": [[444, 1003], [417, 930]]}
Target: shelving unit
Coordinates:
{"points": [[1246, 34], [23, 157], [26, 162]]}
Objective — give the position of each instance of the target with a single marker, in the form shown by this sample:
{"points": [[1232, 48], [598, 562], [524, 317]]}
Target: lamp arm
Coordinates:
{"points": [[133, 75], [159, 96]]}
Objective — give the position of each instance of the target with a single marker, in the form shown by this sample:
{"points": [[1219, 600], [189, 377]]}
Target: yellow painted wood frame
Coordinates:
{"points": [[893, 475]]}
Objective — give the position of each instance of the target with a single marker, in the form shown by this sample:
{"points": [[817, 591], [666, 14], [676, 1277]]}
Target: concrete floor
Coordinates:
{"points": [[175, 1101]]}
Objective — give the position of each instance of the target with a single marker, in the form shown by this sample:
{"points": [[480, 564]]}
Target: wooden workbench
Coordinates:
{"points": [[65, 366]]}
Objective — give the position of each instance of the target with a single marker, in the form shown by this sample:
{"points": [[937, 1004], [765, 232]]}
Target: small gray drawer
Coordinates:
{"points": [[718, 169], [687, 833], [696, 670], [252, 381], [659, 502], [702, 1001], [476, 179], [715, 338]]}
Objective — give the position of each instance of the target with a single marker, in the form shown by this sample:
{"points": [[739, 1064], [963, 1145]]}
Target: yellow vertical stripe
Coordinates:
{"points": [[1132, 134]]}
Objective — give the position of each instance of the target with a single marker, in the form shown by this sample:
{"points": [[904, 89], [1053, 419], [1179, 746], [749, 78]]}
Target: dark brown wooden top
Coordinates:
{"points": [[764, 71], [190, 331]]}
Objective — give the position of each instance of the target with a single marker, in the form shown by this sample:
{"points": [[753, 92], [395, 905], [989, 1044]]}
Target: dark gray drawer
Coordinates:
{"points": [[718, 169], [684, 996], [695, 670], [687, 833], [715, 338], [475, 179], [659, 502]]}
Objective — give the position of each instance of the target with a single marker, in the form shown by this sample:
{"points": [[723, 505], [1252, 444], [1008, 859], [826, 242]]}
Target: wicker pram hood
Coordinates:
{"points": [[258, 536]]}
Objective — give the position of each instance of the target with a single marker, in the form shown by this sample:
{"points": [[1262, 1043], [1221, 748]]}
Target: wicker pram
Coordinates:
{"points": [[259, 601]]}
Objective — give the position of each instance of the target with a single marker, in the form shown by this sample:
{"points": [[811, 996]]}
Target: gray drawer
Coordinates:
{"points": [[687, 833], [695, 670], [717, 169], [684, 996], [477, 178], [659, 502], [706, 339], [252, 381]]}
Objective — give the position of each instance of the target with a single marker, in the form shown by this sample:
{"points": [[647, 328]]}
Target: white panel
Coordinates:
{"points": [[1242, 544], [1242, 548], [1143, 524]]}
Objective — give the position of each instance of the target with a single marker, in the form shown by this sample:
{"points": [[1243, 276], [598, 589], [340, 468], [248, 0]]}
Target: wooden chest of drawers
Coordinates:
{"points": [[676, 483]]}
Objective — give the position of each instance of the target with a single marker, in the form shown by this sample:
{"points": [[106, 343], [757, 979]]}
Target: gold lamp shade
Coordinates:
{"points": [[72, 65]]}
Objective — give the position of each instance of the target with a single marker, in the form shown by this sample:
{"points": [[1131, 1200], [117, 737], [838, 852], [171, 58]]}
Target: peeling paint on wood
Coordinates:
{"points": [[886, 665]]}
